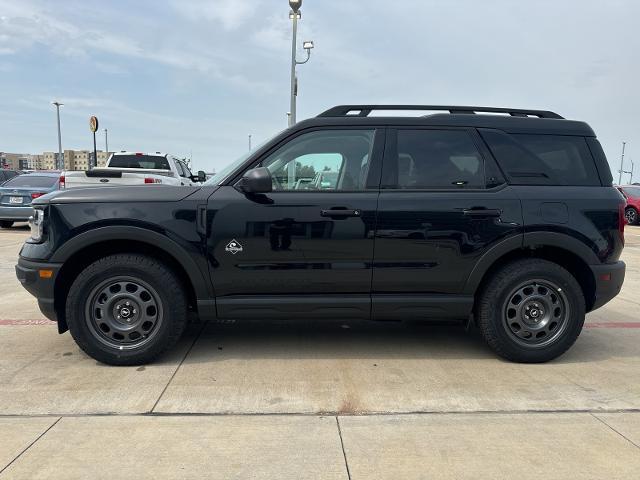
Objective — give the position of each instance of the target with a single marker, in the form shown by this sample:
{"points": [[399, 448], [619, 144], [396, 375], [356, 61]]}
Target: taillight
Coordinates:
{"points": [[35, 195], [152, 180], [622, 221], [61, 182]]}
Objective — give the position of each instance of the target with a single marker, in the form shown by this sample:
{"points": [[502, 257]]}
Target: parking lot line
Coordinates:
{"points": [[41, 321], [612, 325]]}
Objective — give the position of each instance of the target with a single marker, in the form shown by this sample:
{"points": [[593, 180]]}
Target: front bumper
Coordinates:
{"points": [[29, 275], [609, 278], [16, 214]]}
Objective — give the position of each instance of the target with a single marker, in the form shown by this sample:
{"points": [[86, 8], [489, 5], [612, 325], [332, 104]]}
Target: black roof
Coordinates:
{"points": [[507, 119]]}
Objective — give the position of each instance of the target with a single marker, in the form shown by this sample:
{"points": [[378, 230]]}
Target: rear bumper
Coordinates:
{"points": [[28, 274], [16, 214], [609, 279]]}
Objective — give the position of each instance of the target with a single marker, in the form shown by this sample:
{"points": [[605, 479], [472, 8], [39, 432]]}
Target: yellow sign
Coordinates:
{"points": [[93, 124]]}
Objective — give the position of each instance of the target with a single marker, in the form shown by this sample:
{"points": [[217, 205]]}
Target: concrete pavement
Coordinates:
{"points": [[319, 400]]}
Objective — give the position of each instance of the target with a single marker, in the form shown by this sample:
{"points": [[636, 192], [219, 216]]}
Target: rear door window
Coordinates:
{"points": [[433, 159], [543, 159]]}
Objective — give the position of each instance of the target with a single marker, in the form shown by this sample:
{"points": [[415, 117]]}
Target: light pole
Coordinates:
{"points": [[621, 163], [295, 15], [60, 160], [249, 142], [106, 142]]}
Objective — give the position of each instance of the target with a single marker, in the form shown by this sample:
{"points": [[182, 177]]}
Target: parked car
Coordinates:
{"points": [[7, 174], [17, 194], [509, 222], [130, 168], [632, 196]]}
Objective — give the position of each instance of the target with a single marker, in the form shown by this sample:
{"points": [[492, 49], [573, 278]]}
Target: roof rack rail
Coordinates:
{"points": [[365, 110]]}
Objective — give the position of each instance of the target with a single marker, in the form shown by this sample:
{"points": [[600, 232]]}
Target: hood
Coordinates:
{"points": [[134, 193]]}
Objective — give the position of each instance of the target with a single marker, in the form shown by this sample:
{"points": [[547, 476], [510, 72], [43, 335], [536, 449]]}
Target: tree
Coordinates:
{"points": [[305, 171]]}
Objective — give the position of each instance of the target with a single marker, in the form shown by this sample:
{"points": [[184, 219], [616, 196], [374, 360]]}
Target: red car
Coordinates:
{"points": [[632, 194]]}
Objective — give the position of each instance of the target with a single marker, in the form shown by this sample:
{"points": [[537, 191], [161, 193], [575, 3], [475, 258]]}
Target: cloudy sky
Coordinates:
{"points": [[199, 76]]}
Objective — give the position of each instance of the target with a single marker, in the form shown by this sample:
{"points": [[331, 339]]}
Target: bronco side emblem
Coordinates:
{"points": [[233, 247]]}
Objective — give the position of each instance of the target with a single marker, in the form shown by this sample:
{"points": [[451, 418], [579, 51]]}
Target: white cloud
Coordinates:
{"points": [[231, 14]]}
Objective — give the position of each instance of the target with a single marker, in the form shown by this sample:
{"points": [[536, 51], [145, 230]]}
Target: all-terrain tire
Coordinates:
{"points": [[156, 308], [506, 321]]}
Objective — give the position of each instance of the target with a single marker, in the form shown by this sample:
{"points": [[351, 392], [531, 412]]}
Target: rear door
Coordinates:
{"points": [[306, 248], [443, 205]]}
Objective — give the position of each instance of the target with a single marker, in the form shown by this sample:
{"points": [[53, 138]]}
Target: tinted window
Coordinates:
{"points": [[31, 181], [543, 159], [434, 159], [322, 160], [139, 161]]}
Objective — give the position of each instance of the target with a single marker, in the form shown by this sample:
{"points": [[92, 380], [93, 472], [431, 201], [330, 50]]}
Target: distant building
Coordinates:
{"points": [[49, 161], [74, 159], [14, 161]]}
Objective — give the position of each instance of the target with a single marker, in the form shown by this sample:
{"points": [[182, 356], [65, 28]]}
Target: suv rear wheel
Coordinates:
{"points": [[126, 309], [531, 311]]}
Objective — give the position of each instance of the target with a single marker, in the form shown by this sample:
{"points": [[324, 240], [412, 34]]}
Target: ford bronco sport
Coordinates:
{"points": [[505, 218]]}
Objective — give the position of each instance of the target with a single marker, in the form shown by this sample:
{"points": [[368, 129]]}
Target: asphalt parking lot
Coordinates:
{"points": [[331, 399]]}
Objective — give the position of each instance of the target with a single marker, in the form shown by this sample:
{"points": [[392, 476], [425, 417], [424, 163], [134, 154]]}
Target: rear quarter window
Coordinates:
{"points": [[529, 159]]}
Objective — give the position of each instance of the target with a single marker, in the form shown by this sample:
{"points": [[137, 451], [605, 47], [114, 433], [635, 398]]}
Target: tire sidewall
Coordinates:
{"points": [[574, 321], [173, 307]]}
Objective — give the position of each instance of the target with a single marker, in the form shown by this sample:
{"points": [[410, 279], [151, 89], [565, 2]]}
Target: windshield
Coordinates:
{"points": [[222, 175], [31, 181], [152, 162]]}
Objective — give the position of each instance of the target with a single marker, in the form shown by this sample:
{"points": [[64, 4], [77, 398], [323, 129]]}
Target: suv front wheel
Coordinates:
{"points": [[531, 311], [126, 309]]}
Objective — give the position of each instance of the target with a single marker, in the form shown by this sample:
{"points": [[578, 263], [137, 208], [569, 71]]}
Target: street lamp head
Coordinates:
{"points": [[295, 5], [292, 14], [57, 104], [307, 45]]}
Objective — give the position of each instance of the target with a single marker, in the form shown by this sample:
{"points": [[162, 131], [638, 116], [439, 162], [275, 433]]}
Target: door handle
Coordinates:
{"points": [[482, 212], [340, 213]]}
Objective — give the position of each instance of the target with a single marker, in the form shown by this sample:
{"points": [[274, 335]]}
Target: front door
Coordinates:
{"points": [[306, 248], [443, 205]]}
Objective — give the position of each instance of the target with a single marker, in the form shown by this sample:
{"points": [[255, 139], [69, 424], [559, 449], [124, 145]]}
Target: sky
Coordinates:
{"points": [[197, 77]]}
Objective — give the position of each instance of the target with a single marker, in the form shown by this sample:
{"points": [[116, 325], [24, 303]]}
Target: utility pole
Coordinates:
{"points": [[296, 15], [60, 160], [249, 142], [621, 163], [106, 142]]}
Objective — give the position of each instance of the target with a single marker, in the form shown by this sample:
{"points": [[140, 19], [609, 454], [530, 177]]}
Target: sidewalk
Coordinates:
{"points": [[456, 446]]}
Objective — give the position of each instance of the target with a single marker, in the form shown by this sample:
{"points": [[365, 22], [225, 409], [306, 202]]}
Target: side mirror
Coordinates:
{"points": [[200, 177], [256, 180]]}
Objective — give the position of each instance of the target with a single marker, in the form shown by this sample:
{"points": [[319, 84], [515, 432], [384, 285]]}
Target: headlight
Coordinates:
{"points": [[36, 223]]}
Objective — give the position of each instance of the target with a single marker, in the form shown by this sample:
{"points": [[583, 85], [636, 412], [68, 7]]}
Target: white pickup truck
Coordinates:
{"points": [[130, 168]]}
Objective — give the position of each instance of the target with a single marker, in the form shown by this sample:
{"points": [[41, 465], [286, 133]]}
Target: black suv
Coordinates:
{"points": [[502, 217]]}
